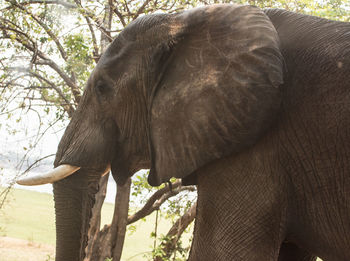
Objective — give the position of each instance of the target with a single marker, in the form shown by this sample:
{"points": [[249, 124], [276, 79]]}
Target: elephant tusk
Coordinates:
{"points": [[54, 175], [108, 169]]}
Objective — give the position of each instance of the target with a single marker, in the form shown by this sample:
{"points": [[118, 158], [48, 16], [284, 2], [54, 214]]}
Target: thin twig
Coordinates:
{"points": [[87, 13], [44, 26], [141, 9], [45, 60], [48, 2]]}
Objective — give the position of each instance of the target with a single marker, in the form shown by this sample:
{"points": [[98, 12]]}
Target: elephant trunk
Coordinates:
{"points": [[74, 199]]}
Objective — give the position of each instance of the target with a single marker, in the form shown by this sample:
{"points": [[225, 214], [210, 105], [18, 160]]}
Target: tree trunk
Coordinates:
{"points": [[112, 237], [95, 221], [109, 241], [120, 222]]}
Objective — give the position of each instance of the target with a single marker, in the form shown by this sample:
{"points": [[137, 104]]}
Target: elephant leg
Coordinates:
{"points": [[290, 252], [240, 214]]}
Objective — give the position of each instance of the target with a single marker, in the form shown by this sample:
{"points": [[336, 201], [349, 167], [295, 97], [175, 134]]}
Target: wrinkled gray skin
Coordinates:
{"points": [[258, 119]]}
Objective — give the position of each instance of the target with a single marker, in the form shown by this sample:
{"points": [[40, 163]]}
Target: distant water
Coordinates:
{"points": [[8, 174], [9, 171]]}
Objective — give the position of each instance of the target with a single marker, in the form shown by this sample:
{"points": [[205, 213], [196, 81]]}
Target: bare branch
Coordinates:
{"points": [[45, 59], [48, 2], [44, 26], [36, 162], [127, 7], [157, 199], [172, 237], [7, 112], [58, 90], [5, 28], [28, 72], [120, 16], [141, 9], [39, 134], [96, 54], [107, 24], [87, 13]]}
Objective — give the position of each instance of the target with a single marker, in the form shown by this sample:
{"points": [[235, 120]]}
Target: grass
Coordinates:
{"points": [[30, 216]]}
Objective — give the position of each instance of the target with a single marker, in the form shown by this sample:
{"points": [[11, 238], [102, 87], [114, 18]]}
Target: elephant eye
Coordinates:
{"points": [[102, 89]]}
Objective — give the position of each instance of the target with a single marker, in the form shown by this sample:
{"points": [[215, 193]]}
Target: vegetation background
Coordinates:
{"points": [[47, 51], [30, 216]]}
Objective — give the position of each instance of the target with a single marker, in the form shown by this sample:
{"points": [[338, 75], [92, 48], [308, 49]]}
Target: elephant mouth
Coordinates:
{"points": [[58, 173]]}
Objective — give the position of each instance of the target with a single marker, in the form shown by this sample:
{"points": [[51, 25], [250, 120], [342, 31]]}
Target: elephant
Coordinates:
{"points": [[250, 105]]}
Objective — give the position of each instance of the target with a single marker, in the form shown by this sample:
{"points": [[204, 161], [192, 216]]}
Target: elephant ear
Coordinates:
{"points": [[219, 91]]}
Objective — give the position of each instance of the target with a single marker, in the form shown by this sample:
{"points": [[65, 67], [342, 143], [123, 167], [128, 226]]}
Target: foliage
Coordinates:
{"points": [[51, 53], [330, 9], [174, 207], [49, 48], [49, 258], [180, 253], [38, 67], [79, 52]]}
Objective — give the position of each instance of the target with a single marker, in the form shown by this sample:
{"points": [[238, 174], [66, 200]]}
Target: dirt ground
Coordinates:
{"points": [[13, 249]]}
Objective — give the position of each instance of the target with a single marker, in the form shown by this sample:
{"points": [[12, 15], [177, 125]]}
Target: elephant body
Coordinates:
{"points": [[251, 106], [312, 132], [294, 184]]}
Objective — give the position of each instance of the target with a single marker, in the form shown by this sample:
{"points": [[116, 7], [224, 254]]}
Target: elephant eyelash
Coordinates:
{"points": [[103, 89], [100, 89]]}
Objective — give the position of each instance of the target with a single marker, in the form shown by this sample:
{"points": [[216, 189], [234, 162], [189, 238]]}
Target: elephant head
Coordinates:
{"points": [[171, 93]]}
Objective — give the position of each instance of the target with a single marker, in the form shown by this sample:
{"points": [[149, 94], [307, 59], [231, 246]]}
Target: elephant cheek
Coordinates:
{"points": [[120, 170], [152, 180], [126, 162]]}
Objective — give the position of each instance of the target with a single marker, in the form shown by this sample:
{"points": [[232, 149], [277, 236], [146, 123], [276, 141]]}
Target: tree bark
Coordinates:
{"points": [[119, 223], [157, 199], [113, 236], [95, 221], [109, 241]]}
